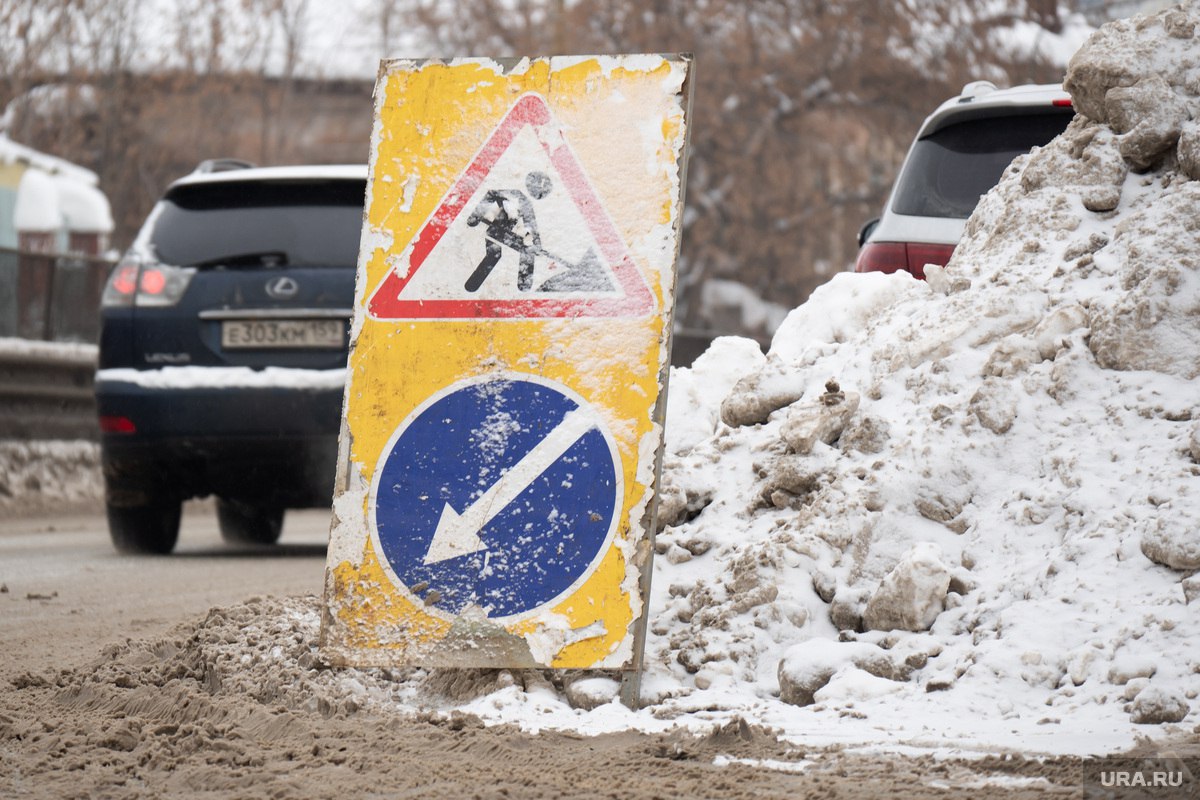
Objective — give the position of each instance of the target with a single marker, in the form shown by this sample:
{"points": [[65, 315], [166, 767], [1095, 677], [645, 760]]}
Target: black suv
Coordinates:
{"points": [[223, 351]]}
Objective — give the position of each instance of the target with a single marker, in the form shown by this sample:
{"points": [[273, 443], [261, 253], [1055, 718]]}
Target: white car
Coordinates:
{"points": [[959, 154]]}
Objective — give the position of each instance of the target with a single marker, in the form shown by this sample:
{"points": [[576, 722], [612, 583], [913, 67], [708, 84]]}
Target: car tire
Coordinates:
{"points": [[246, 523], [145, 530]]}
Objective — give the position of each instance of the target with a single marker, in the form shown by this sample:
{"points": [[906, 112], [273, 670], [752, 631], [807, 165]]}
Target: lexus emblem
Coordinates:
{"points": [[283, 288]]}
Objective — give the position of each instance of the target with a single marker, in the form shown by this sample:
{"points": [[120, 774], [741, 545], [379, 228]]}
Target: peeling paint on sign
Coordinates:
{"points": [[502, 425]]}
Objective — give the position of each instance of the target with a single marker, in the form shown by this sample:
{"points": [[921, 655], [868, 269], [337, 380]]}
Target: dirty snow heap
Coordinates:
{"points": [[969, 506]]}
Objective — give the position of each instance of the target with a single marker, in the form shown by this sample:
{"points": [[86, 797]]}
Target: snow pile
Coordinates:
{"points": [[49, 475], [266, 650], [987, 485]]}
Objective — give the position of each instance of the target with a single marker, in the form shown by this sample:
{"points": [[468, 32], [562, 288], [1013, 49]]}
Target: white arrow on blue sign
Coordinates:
{"points": [[498, 493]]}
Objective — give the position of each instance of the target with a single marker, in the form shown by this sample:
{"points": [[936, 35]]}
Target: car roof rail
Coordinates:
{"points": [[222, 165]]}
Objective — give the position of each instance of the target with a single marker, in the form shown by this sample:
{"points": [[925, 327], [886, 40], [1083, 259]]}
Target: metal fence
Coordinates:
{"points": [[51, 296]]}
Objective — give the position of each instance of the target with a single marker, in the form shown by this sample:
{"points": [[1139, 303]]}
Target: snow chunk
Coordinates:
{"points": [[1155, 706], [695, 394], [591, 693], [1149, 116], [1128, 668], [757, 396], [1124, 52], [1188, 150], [1054, 332], [913, 593], [823, 421], [1154, 321], [994, 405], [853, 685], [807, 667], [1173, 543]]}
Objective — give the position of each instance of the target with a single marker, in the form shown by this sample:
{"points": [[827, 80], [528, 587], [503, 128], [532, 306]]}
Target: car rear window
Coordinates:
{"points": [[310, 223], [949, 170]]}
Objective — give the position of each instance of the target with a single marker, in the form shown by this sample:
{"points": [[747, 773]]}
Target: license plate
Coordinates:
{"points": [[280, 333]]}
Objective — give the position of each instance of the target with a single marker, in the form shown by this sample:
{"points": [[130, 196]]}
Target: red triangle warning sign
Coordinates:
{"points": [[521, 235]]}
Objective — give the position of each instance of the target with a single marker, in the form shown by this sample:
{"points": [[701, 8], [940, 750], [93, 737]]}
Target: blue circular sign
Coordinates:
{"points": [[499, 494]]}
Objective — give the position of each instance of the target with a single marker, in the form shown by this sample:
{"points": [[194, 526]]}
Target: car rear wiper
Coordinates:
{"points": [[261, 258]]}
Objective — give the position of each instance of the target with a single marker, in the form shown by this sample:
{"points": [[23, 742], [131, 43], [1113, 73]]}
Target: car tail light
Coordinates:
{"points": [[115, 424], [162, 285], [921, 254], [121, 286], [895, 256], [137, 284], [882, 257]]}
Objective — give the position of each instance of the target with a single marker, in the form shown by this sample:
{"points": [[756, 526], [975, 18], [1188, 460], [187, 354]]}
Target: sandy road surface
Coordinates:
{"points": [[105, 691], [69, 592]]}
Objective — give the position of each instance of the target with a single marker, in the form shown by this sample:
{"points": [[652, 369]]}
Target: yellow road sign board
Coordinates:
{"points": [[502, 426]]}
